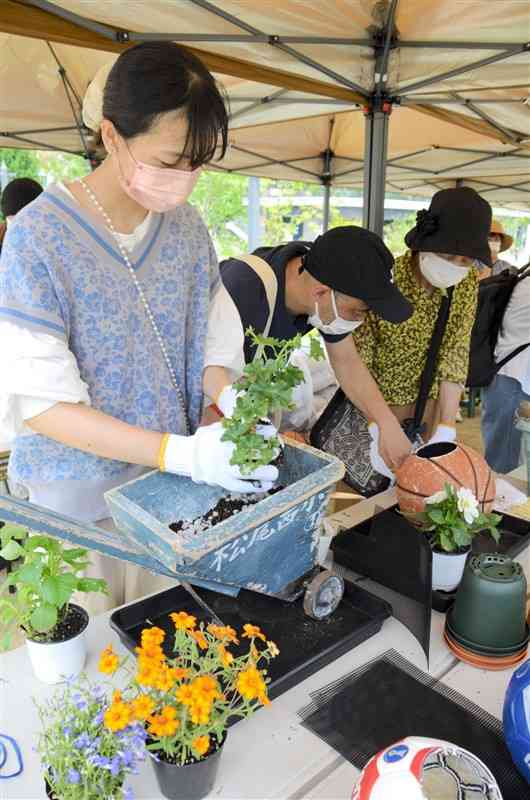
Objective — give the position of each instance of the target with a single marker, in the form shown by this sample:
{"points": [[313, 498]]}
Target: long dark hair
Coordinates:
{"points": [[153, 78]]}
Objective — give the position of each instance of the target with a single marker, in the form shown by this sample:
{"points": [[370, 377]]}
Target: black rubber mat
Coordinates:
{"points": [[389, 699]]}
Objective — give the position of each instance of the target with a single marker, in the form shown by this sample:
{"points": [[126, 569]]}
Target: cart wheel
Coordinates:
{"points": [[323, 595]]}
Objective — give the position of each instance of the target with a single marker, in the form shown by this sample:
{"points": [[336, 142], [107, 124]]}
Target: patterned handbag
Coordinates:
{"points": [[342, 430]]}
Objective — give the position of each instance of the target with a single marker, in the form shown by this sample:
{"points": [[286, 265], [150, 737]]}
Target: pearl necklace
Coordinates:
{"points": [[142, 297]]}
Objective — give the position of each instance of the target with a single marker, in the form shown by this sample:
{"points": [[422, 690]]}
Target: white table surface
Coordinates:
{"points": [[270, 756]]}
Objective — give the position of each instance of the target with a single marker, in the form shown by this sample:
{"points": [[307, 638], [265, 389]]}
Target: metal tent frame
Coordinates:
{"points": [[53, 23]]}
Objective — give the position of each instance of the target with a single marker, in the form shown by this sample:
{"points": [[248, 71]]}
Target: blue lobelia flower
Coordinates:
{"points": [[128, 793], [115, 766], [82, 742], [98, 760], [73, 776]]}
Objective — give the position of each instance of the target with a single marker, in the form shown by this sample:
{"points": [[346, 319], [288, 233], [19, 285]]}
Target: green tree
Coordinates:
{"points": [[63, 166], [221, 199], [394, 233], [21, 163]]}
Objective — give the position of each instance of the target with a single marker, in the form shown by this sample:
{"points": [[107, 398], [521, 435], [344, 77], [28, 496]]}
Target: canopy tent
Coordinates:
{"points": [[443, 85]]}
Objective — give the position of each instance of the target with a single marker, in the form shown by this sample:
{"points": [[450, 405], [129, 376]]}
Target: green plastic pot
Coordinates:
{"points": [[490, 606]]}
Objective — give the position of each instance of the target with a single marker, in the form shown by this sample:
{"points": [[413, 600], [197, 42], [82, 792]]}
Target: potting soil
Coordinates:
{"points": [[71, 625], [226, 507]]}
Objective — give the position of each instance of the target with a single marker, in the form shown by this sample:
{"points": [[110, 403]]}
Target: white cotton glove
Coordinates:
{"points": [[443, 433], [226, 402], [375, 458], [205, 458]]}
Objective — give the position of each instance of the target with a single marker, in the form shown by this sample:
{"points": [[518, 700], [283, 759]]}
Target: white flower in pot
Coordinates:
{"points": [[452, 518], [35, 597]]}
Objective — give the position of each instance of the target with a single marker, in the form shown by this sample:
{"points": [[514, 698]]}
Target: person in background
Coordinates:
{"points": [[498, 242], [511, 385], [329, 285], [17, 194], [444, 245]]}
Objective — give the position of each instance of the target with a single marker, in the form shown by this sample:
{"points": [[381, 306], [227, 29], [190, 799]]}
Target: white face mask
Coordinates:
{"points": [[338, 326], [495, 246], [440, 272]]}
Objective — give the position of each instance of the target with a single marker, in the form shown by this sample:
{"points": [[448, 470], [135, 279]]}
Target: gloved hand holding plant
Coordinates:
{"points": [[266, 387]]}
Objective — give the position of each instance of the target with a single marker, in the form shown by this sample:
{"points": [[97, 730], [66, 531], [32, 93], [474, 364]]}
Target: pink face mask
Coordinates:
{"points": [[156, 188]]}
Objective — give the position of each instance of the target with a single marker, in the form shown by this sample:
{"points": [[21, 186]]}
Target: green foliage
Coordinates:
{"points": [[266, 387], [220, 198], [44, 581], [452, 519], [394, 233], [63, 166]]}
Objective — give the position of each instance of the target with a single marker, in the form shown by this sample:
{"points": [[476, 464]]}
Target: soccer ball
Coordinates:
{"points": [[417, 768]]}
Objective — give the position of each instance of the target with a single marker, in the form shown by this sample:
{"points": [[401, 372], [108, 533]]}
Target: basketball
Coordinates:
{"points": [[431, 467]]}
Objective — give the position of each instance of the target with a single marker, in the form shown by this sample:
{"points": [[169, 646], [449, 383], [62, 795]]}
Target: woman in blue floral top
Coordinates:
{"points": [[105, 285]]}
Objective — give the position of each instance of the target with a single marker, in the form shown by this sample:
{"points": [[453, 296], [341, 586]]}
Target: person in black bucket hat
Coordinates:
{"points": [[444, 244], [329, 284]]}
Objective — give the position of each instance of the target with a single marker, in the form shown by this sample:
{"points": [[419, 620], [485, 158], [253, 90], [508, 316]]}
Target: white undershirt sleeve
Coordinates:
{"points": [[38, 371], [225, 338]]}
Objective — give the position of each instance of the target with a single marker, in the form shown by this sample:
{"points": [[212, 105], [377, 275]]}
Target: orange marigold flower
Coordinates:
{"points": [[164, 680], [153, 636], [226, 656], [250, 684], [150, 652], [264, 699], [118, 716], [183, 621], [201, 745], [184, 694], [108, 661], [200, 714], [165, 723], [147, 674], [116, 696], [253, 632], [179, 673], [223, 632], [200, 638], [206, 684], [143, 706]]}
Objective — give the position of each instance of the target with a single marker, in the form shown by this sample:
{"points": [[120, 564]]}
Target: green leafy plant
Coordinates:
{"points": [[36, 593], [265, 387], [452, 518]]}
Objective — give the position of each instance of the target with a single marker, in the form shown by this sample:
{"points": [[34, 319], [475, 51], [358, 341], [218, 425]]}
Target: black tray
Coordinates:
{"points": [[305, 645], [352, 549]]}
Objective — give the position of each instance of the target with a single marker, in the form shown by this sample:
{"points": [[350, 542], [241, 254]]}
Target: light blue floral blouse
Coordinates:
{"points": [[62, 273]]}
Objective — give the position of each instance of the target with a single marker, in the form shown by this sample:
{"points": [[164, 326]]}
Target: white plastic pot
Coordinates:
{"points": [[447, 570], [53, 662]]}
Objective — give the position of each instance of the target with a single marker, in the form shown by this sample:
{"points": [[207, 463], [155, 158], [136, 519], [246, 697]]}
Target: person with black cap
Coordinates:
{"points": [[444, 245], [16, 195], [330, 285]]}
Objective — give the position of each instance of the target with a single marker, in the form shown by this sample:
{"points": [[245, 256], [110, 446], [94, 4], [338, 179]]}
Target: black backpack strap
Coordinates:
{"points": [[431, 362], [500, 364]]}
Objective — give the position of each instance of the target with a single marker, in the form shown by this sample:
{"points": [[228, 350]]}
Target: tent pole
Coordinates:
{"points": [[253, 214], [375, 152], [326, 206]]}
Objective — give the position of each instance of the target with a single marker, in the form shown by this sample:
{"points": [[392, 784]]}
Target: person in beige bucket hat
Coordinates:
{"points": [[499, 241]]}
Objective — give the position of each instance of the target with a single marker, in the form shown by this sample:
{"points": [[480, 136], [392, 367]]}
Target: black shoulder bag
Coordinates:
{"points": [[342, 430]]}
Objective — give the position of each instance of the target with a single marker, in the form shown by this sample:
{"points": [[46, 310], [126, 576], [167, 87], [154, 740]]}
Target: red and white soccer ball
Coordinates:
{"points": [[399, 772]]}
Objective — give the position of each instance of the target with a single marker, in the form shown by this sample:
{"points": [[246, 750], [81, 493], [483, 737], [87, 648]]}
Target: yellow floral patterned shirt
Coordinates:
{"points": [[395, 354]]}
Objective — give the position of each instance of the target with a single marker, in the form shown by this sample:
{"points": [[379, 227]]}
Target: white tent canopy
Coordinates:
{"points": [[298, 74]]}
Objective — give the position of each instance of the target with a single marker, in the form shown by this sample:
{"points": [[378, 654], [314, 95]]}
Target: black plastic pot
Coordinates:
{"points": [[188, 782]]}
